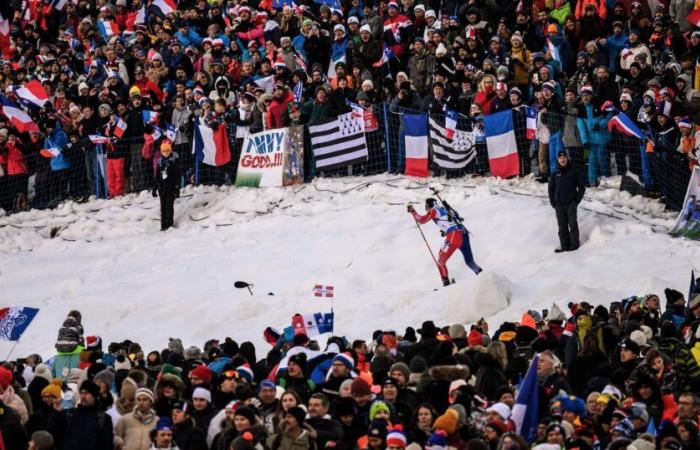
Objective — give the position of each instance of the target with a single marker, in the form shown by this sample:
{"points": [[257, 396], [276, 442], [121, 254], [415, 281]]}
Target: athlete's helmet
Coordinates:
{"points": [[430, 203]]}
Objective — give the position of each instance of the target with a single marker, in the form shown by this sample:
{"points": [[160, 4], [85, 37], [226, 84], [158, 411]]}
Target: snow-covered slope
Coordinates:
{"points": [[108, 259]]}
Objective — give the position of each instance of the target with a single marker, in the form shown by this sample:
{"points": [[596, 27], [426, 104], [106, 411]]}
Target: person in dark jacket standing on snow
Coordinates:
{"points": [[167, 181], [566, 189]]}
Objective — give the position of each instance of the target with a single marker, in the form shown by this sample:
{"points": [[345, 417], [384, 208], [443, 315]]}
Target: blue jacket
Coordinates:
{"points": [[191, 38], [59, 140], [592, 127], [614, 45]]}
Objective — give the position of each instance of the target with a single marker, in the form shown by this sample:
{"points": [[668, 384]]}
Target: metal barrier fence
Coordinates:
{"points": [[663, 173]]}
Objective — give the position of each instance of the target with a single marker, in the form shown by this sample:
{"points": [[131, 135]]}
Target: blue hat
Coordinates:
{"points": [[164, 423]]}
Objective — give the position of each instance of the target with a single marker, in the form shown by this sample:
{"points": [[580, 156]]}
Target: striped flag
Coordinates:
{"points": [[323, 291], [166, 6], [50, 152], [386, 57], [501, 146], [136, 18], [153, 136], [170, 132], [4, 35], [416, 139], [312, 325], [553, 50], [450, 123], [211, 146], [107, 28], [34, 93], [299, 92], [339, 141], [451, 154], [20, 119], [150, 116], [97, 139], [119, 128], [623, 124], [337, 56], [526, 408], [531, 122], [14, 321]]}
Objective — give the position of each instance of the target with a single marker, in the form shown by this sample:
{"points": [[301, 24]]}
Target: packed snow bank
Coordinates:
{"points": [[108, 259]]}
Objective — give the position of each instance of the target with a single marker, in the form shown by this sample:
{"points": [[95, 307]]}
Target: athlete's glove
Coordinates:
{"points": [[410, 208]]}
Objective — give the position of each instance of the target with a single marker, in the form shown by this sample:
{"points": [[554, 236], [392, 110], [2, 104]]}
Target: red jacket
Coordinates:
{"points": [[275, 110], [483, 99], [149, 88], [13, 160]]}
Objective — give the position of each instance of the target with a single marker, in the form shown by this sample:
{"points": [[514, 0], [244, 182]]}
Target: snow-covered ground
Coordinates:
{"points": [[109, 260]]}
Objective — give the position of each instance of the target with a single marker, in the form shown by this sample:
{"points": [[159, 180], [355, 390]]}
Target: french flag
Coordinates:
{"points": [[170, 132], [50, 152], [501, 146], [386, 56], [623, 124], [526, 408], [14, 321], [166, 6], [450, 123], [153, 136], [416, 131], [19, 118], [211, 146], [107, 28], [136, 18], [34, 93], [531, 122], [97, 139], [150, 116], [119, 128], [553, 50]]}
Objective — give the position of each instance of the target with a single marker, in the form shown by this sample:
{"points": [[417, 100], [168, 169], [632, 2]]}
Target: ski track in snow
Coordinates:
{"points": [[109, 260]]}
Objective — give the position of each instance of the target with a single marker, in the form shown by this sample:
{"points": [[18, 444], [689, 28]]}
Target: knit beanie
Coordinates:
{"points": [[447, 422], [376, 407], [53, 389]]}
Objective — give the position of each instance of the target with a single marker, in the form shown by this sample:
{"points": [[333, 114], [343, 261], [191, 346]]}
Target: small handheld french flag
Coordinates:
{"points": [[150, 116], [119, 128], [531, 122], [107, 28], [50, 152], [553, 50], [98, 139], [450, 123]]}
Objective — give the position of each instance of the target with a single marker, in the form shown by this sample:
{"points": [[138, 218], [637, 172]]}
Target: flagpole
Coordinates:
{"points": [[12, 350]]}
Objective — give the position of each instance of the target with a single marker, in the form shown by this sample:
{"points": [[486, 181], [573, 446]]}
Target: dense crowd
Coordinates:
{"points": [[619, 377], [257, 65]]}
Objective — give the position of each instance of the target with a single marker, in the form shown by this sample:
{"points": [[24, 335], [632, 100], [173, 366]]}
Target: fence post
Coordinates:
{"points": [[387, 139]]}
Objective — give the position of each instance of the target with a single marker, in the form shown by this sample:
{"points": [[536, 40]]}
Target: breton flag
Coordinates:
{"points": [[136, 18], [694, 17], [501, 146], [19, 118], [34, 93], [119, 128], [450, 123], [339, 141], [386, 57], [553, 50], [531, 122], [323, 291], [312, 325], [14, 321], [623, 124], [211, 146], [416, 139], [526, 408], [97, 139], [107, 28], [451, 154], [150, 116], [50, 152], [166, 6]]}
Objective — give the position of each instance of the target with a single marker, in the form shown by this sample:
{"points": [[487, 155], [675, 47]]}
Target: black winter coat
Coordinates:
{"points": [[188, 437], [83, 428], [489, 376], [566, 187], [11, 431]]}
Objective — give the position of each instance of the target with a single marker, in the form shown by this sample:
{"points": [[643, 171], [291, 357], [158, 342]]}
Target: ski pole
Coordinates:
{"points": [[426, 243]]}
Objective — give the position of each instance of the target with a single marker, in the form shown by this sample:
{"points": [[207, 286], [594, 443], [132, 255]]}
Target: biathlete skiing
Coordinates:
{"points": [[454, 231]]}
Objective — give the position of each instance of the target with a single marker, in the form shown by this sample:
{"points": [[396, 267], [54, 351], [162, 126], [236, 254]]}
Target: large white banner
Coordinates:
{"points": [[262, 159]]}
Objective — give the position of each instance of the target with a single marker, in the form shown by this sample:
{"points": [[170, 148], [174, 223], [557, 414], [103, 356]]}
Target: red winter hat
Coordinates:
{"points": [[5, 377], [360, 387], [475, 338], [202, 372]]}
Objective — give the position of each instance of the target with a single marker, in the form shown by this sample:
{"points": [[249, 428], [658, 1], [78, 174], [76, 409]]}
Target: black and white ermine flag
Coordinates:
{"points": [[453, 153], [339, 141]]}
